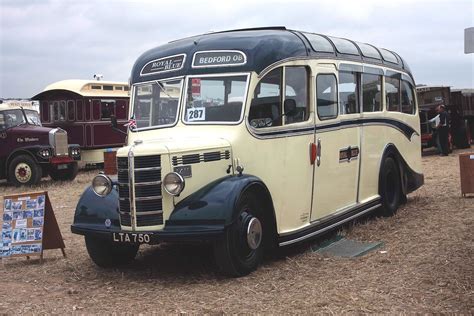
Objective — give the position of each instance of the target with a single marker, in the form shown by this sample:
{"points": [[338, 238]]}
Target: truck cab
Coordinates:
{"points": [[29, 151]]}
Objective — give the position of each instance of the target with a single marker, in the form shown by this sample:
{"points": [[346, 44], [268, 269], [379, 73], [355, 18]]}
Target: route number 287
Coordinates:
{"points": [[196, 114]]}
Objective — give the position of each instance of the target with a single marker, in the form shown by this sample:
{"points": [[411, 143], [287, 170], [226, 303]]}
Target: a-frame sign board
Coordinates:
{"points": [[29, 226]]}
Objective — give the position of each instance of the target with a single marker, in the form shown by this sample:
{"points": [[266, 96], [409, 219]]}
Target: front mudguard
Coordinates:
{"points": [[98, 213], [215, 203]]}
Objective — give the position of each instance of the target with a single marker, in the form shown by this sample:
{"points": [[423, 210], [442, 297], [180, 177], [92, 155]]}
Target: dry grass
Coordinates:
{"points": [[426, 266]]}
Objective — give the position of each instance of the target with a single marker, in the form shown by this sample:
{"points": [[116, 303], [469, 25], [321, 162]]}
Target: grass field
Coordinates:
{"points": [[425, 266]]}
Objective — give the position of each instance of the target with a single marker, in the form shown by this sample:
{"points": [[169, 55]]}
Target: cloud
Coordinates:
{"points": [[46, 41]]}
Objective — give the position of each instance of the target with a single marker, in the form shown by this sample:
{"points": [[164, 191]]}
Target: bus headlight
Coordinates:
{"points": [[173, 183], [101, 185]]}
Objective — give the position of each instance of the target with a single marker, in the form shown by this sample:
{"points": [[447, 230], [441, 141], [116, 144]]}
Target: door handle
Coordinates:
{"points": [[318, 154]]}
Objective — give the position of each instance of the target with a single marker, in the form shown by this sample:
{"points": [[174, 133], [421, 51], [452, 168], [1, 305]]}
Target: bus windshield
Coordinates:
{"points": [[216, 99], [156, 103]]}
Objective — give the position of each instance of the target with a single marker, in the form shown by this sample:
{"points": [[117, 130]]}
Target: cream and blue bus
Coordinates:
{"points": [[253, 139]]}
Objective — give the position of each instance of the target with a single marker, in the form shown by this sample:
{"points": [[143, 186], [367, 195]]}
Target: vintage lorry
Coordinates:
{"points": [[29, 151]]}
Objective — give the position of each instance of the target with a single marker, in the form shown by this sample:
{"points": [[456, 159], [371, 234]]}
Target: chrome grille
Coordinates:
{"points": [[60, 143], [147, 201]]}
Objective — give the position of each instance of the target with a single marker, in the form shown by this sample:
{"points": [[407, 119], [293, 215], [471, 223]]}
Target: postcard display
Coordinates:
{"points": [[29, 226]]}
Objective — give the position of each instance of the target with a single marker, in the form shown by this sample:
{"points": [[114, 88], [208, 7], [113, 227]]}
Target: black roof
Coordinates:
{"points": [[262, 47]]}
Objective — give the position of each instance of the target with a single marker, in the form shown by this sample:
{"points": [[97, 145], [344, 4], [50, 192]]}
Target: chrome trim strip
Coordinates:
{"points": [[289, 242], [147, 198], [150, 213], [131, 179], [148, 169], [144, 184]]}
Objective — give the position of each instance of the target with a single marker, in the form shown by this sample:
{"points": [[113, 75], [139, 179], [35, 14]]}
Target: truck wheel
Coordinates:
{"points": [[240, 250], [107, 254], [390, 187], [23, 170], [64, 174]]}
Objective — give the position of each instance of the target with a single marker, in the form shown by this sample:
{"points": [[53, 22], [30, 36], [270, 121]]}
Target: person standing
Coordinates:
{"points": [[443, 129]]}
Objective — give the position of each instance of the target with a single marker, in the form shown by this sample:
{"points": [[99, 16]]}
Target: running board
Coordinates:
{"points": [[323, 227]]}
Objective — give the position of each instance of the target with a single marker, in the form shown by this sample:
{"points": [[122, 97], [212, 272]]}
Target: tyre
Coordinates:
{"points": [[107, 254], [240, 250], [23, 170], [390, 187], [64, 174]]}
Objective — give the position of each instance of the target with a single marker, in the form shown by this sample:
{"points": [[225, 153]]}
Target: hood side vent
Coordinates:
{"points": [[197, 158]]}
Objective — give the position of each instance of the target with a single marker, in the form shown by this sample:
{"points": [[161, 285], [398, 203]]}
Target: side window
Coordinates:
{"points": [[96, 109], [45, 111], [54, 110], [392, 93], [296, 105], [121, 109], [3, 124], [408, 98], [107, 108], [348, 93], [79, 110], [326, 94], [62, 110], [266, 107], [71, 110], [87, 106], [371, 93]]}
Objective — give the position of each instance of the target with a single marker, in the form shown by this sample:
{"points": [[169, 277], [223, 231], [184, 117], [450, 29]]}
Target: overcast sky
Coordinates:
{"points": [[45, 41]]}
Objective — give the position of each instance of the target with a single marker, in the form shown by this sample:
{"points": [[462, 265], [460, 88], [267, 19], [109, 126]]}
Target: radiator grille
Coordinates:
{"points": [[147, 201], [60, 143]]}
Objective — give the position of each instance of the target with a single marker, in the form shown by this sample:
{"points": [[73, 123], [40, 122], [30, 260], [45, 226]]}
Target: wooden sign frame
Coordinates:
{"points": [[29, 223]]}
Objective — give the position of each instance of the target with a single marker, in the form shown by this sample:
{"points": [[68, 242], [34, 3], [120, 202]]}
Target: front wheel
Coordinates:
{"points": [[23, 170], [390, 187], [240, 250], [107, 254], [69, 173]]}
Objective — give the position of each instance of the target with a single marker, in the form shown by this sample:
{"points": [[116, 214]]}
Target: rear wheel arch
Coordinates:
{"points": [[392, 152]]}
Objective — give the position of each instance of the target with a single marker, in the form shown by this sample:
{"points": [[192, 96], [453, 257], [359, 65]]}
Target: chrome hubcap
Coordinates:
{"points": [[23, 172], [254, 233]]}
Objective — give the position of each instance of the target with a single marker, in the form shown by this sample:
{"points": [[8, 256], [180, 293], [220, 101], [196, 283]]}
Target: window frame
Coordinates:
{"points": [[357, 76], [382, 88], [131, 108], [73, 112], [399, 110], [316, 96], [413, 94], [184, 92]]}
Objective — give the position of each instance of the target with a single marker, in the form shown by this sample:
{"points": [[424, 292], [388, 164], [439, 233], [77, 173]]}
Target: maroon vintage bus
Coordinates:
{"points": [[84, 108]]}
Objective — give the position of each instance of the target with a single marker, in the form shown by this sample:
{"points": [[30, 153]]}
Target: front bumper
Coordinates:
{"points": [[182, 234]]}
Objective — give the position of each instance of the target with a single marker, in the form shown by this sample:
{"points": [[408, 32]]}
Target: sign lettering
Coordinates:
{"points": [[171, 63], [219, 58]]}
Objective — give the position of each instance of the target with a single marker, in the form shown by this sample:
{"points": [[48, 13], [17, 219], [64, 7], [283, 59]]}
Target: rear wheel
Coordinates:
{"points": [[240, 250], [64, 174], [23, 170], [390, 187], [107, 254]]}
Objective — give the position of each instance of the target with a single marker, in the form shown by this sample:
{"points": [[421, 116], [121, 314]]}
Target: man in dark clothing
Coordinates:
{"points": [[443, 129]]}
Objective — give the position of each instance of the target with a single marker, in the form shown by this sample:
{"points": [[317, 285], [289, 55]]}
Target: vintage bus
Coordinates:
{"points": [[84, 108], [276, 136]]}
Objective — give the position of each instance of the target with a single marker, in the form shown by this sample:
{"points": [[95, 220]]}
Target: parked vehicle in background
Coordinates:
{"points": [[253, 139], [429, 98], [84, 109], [29, 151]]}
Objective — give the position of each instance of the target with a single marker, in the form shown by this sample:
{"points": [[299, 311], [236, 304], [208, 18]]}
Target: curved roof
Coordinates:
{"points": [[84, 88], [261, 47]]}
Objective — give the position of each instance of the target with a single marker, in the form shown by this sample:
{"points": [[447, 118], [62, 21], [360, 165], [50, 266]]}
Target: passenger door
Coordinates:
{"points": [[337, 140]]}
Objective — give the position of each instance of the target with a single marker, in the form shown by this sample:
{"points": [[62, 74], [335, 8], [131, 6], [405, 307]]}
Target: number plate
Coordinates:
{"points": [[62, 166], [134, 238]]}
